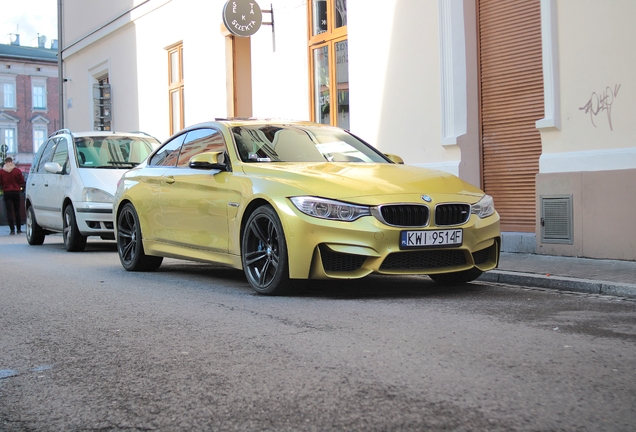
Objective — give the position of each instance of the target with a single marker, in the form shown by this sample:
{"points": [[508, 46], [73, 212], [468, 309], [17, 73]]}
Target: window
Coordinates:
{"points": [[8, 94], [200, 141], [61, 155], [38, 92], [39, 136], [47, 153], [329, 60], [175, 88], [169, 153], [7, 137], [102, 104]]}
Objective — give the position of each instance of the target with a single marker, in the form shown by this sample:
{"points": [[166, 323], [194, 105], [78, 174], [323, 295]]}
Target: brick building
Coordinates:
{"points": [[29, 100]]}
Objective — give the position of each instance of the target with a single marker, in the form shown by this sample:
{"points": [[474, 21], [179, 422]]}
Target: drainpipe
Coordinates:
{"points": [[60, 68]]}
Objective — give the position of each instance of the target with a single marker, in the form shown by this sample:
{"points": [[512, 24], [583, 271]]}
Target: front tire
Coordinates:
{"points": [[457, 278], [74, 241], [34, 232], [129, 243], [264, 253]]}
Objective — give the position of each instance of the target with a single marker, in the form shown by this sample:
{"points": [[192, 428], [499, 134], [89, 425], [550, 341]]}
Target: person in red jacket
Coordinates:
{"points": [[11, 181]]}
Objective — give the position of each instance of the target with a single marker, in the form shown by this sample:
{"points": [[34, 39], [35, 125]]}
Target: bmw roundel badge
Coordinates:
{"points": [[427, 198]]}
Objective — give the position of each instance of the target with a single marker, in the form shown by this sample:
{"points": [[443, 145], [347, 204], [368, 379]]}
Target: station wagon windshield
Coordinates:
{"points": [[297, 143], [112, 151]]}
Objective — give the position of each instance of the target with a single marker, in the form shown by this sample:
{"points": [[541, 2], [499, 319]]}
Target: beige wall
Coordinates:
{"points": [[596, 63], [394, 68], [591, 155]]}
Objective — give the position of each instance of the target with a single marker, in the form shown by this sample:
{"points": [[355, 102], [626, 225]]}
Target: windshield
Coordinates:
{"points": [[298, 143], [113, 151]]}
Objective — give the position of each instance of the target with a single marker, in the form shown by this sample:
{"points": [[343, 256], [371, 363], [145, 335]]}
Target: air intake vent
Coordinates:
{"points": [[556, 219]]}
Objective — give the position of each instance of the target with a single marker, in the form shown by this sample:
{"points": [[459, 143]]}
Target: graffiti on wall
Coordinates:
{"points": [[601, 102]]}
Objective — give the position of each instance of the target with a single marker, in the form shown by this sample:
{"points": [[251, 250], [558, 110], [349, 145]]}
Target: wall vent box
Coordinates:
{"points": [[556, 219]]}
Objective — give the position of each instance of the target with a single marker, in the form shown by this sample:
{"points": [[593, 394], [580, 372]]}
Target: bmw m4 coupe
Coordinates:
{"points": [[290, 201]]}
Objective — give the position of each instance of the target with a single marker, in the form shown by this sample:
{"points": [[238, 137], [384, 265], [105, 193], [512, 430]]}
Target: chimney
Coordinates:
{"points": [[15, 39], [54, 44]]}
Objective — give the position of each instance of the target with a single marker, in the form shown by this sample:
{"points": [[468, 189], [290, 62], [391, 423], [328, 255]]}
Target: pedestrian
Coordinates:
{"points": [[11, 182]]}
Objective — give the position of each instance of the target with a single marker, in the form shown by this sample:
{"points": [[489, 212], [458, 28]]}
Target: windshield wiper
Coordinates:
{"points": [[118, 164]]}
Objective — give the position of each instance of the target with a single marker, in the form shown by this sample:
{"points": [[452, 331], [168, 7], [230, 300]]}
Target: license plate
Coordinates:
{"points": [[412, 239]]}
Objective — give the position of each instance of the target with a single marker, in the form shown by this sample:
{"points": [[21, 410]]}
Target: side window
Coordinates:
{"points": [[47, 154], [61, 154], [168, 154], [200, 141]]}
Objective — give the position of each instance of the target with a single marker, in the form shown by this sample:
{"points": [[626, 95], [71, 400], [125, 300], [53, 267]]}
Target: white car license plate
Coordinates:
{"points": [[409, 239]]}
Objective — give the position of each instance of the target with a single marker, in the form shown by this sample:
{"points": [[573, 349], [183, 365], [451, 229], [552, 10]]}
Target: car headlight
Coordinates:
{"points": [[329, 209], [484, 207], [96, 195]]}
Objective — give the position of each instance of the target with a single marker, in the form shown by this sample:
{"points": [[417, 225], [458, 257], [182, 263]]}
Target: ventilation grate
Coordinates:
{"points": [[556, 219]]}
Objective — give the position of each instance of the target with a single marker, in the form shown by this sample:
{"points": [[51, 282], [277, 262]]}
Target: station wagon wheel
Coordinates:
{"points": [[456, 278], [74, 241], [264, 253], [34, 232], [129, 244]]}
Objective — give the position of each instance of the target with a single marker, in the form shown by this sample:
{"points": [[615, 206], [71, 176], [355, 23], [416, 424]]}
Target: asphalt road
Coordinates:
{"points": [[87, 346]]}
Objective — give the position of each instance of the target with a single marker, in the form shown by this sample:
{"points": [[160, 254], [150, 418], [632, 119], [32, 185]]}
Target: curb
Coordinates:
{"points": [[560, 283]]}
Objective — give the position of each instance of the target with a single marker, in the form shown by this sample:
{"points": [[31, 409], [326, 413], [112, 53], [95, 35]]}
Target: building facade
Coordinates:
{"points": [[527, 99], [29, 100]]}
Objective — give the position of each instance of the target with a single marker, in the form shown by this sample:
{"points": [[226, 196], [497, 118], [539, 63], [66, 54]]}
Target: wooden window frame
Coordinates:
{"points": [[175, 85], [328, 38]]}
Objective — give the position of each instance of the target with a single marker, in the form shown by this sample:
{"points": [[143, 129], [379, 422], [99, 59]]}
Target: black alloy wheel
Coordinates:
{"points": [[74, 241], [264, 253], [129, 244], [34, 233]]}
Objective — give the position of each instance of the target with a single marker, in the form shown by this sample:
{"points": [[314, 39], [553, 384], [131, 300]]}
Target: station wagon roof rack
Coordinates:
{"points": [[59, 132], [144, 133]]}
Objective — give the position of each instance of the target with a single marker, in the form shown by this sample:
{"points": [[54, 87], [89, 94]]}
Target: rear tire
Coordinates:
{"points": [[34, 232], [456, 278], [129, 243], [74, 241]]}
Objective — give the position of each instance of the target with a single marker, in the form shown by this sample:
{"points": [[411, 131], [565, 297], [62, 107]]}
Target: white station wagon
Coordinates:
{"points": [[72, 181]]}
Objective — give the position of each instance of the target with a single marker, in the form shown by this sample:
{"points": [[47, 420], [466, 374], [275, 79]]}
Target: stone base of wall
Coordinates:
{"points": [[603, 212]]}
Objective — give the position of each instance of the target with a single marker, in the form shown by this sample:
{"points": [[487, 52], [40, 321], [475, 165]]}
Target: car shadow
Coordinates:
{"points": [[55, 241], [369, 287], [386, 287]]}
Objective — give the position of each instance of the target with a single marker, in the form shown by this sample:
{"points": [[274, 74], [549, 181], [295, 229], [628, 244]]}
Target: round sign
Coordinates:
{"points": [[242, 17], [5, 148]]}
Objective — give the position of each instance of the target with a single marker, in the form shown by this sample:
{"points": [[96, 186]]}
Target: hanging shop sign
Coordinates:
{"points": [[242, 17]]}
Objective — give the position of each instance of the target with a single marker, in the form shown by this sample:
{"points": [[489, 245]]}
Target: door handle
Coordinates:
{"points": [[170, 180]]}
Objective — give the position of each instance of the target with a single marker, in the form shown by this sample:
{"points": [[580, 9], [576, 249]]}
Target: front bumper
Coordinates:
{"points": [[94, 219], [321, 249]]}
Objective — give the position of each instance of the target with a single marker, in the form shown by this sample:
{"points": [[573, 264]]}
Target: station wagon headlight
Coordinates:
{"points": [[96, 195], [484, 207], [329, 209]]}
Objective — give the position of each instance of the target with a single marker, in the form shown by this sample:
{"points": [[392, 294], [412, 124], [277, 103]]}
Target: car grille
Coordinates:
{"points": [[451, 214], [405, 215], [340, 262], [423, 260]]}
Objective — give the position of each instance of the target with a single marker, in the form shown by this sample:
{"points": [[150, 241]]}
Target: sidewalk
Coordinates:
{"points": [[594, 276]]}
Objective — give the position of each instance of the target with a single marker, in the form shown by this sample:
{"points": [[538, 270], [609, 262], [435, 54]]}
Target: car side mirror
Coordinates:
{"points": [[208, 161], [53, 168], [394, 158]]}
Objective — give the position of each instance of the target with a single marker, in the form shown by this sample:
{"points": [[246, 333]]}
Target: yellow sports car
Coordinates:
{"points": [[290, 201]]}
